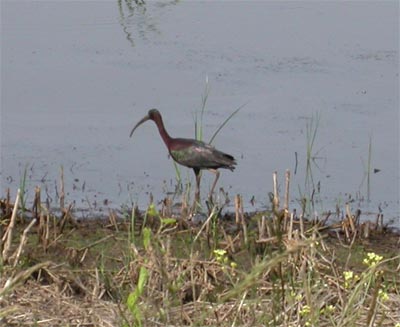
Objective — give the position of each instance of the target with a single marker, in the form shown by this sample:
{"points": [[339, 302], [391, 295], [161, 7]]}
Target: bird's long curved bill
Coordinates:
{"points": [[145, 118]]}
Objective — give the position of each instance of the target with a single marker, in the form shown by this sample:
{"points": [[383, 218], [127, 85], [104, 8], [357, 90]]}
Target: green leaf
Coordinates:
{"points": [[146, 237], [152, 211], [134, 296], [143, 276], [168, 221]]}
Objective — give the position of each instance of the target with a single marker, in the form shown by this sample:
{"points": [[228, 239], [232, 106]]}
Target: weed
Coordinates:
{"points": [[132, 301], [311, 189]]}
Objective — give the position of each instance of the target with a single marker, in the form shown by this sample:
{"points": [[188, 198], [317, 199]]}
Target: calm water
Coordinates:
{"points": [[76, 77]]}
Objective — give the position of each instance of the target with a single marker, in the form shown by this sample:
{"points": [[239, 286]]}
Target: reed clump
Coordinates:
{"points": [[154, 268]]}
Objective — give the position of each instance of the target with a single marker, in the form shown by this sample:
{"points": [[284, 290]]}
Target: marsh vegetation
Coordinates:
{"points": [[158, 267]]}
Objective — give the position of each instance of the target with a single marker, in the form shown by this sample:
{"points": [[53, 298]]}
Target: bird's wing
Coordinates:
{"points": [[197, 154]]}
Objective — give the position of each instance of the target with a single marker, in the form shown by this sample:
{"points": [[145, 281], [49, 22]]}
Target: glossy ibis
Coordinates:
{"points": [[191, 153]]}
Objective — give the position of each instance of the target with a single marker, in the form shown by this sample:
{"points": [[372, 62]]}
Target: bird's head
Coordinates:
{"points": [[153, 114]]}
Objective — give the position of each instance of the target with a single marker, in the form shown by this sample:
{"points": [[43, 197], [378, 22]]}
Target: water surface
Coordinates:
{"points": [[76, 77]]}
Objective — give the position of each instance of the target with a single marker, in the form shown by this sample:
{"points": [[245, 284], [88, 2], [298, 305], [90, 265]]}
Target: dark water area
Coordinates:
{"points": [[77, 76]]}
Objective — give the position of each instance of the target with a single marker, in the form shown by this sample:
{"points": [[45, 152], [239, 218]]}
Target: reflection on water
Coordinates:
{"points": [[132, 11], [136, 21]]}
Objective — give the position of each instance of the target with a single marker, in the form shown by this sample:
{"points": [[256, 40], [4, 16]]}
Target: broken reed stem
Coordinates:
{"points": [[44, 228], [36, 203], [237, 217], [62, 193], [168, 206], [365, 229], [275, 200], [262, 228], [66, 215], [350, 218], [239, 212], [23, 241], [301, 225], [113, 220], [8, 203], [290, 231], [287, 184], [286, 204], [379, 222], [7, 238]]}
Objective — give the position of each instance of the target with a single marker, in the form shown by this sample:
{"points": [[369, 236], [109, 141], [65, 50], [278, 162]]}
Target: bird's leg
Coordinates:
{"points": [[216, 172], [197, 192]]}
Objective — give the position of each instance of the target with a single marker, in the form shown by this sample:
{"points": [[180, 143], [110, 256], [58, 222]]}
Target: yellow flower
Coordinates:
{"points": [[220, 255], [349, 277], [328, 309], [305, 310], [383, 295], [219, 252], [372, 259]]}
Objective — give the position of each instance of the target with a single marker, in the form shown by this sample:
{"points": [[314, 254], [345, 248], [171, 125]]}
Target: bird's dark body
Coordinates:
{"points": [[191, 153], [199, 155]]}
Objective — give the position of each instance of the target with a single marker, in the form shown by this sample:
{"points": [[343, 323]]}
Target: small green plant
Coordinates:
{"points": [[132, 301], [165, 223], [135, 295], [151, 212], [311, 135], [311, 189]]}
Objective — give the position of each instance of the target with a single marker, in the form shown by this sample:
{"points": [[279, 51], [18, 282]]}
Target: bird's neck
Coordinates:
{"points": [[163, 132]]}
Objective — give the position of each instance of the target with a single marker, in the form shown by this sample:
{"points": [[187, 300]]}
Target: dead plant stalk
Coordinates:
{"points": [[7, 238], [23, 241]]}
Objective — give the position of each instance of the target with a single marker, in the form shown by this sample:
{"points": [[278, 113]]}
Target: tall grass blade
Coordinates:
{"points": [[198, 123], [225, 122]]}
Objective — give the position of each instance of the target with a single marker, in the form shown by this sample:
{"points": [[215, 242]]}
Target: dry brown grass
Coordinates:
{"points": [[268, 269]]}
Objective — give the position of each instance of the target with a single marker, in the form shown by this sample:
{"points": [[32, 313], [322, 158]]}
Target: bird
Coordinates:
{"points": [[192, 153]]}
